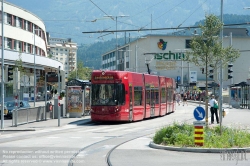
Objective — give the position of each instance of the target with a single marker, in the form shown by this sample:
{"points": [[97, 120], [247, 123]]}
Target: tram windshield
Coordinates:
{"points": [[108, 94]]}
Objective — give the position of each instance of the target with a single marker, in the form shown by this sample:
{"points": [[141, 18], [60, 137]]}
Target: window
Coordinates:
{"points": [[29, 48], [20, 45], [108, 94], [29, 26], [163, 95], [137, 96], [147, 96], [9, 19], [9, 43], [19, 22]]}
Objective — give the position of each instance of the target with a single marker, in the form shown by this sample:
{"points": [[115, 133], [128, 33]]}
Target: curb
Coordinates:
{"points": [[199, 150]]}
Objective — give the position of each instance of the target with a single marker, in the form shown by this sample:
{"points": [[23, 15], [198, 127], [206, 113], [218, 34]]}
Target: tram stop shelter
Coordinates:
{"points": [[239, 95], [78, 97]]}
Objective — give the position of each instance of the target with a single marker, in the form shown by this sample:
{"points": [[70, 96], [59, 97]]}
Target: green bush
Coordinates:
{"points": [[182, 135]]}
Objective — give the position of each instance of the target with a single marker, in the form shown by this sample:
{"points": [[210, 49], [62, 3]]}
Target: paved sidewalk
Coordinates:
{"points": [[51, 123]]}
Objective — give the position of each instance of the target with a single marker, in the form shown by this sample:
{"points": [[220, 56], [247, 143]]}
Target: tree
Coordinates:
{"points": [[83, 73], [207, 49]]}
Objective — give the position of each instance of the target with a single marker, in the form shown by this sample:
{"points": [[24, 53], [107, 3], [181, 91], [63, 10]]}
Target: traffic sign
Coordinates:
{"points": [[199, 113]]}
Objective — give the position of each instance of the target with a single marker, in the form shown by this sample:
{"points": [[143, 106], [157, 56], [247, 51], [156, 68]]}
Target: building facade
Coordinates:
{"points": [[65, 51], [25, 40], [162, 55]]}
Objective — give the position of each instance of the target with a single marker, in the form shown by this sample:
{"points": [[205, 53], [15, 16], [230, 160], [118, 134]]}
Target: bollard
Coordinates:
{"points": [[224, 113], [198, 135]]}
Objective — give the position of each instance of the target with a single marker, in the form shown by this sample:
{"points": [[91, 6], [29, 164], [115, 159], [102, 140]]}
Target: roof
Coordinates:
{"points": [[78, 82]]}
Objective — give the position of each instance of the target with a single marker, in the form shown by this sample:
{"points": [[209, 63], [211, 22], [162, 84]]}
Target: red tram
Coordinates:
{"points": [[130, 96]]}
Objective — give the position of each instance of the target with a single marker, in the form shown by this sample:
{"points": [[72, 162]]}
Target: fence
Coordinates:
{"points": [[26, 115]]}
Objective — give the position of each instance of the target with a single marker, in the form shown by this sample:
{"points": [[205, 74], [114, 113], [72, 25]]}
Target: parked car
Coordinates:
{"points": [[10, 105]]}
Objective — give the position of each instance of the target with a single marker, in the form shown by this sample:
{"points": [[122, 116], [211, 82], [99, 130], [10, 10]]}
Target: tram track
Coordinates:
{"points": [[135, 135]]}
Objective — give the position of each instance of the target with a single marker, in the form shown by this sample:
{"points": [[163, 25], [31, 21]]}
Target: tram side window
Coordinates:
{"points": [[163, 95], [170, 94], [120, 94], [156, 96], [148, 97], [137, 96], [152, 97]]}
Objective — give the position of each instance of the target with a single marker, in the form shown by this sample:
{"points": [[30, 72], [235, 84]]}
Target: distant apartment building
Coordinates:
{"points": [[65, 51], [25, 38]]}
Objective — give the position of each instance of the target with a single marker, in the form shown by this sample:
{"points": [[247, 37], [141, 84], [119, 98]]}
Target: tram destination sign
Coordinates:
{"points": [[107, 77]]}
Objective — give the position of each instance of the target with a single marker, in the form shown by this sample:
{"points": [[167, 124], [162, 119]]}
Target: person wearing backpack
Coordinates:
{"points": [[214, 109]]}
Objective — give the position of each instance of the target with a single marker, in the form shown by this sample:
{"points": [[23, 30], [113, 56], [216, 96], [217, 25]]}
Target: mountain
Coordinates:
{"points": [[69, 18]]}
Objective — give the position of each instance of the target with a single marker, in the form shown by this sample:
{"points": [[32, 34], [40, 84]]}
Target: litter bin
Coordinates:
{"points": [[49, 107]]}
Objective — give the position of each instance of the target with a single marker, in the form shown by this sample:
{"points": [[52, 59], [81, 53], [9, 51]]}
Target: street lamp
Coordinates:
{"points": [[34, 51], [112, 17]]}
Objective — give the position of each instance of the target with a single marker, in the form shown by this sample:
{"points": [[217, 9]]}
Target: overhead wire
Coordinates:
{"points": [[98, 7], [193, 12], [165, 13]]}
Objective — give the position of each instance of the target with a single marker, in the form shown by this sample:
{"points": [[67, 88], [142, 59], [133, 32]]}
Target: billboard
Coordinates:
{"points": [[74, 99], [193, 76]]}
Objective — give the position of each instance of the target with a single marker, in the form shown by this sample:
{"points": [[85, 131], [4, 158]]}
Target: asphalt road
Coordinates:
{"points": [[126, 143]]}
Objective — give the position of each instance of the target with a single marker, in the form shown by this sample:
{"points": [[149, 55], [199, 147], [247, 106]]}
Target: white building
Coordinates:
{"points": [[135, 56], [65, 51], [25, 37]]}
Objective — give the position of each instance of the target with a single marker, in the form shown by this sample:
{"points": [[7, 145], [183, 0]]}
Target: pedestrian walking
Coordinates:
{"points": [[178, 98], [214, 109], [185, 99]]}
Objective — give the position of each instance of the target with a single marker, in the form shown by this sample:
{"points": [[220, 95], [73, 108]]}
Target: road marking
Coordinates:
{"points": [[132, 129], [112, 129], [97, 137], [75, 137], [89, 130], [6, 136], [52, 137]]}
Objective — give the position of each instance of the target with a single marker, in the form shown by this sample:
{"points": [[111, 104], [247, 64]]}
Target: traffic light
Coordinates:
{"points": [[228, 72], [211, 72], [10, 73], [202, 70]]}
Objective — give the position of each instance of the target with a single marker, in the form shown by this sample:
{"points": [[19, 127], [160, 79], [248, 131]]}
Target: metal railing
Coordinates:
{"points": [[27, 115]]}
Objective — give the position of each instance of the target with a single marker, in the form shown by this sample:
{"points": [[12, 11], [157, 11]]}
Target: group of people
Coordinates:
{"points": [[183, 97]]}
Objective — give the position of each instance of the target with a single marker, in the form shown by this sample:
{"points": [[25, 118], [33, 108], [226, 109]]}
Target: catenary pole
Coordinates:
{"points": [[221, 79]]}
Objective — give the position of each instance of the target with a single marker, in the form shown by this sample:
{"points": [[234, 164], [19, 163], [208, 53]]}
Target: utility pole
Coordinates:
{"points": [[221, 79], [2, 72]]}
